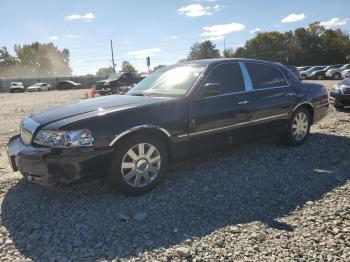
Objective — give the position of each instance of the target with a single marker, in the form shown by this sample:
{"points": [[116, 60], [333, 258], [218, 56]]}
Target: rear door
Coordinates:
{"points": [[273, 97]]}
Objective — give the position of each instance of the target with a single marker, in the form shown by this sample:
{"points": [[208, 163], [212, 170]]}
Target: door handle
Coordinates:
{"points": [[291, 94], [243, 102]]}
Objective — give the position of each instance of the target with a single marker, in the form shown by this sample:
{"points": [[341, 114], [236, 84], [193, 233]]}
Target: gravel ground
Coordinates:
{"points": [[255, 202]]}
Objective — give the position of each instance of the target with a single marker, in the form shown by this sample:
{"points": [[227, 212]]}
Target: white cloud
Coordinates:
{"points": [[216, 38], [145, 52], [194, 10], [217, 8], [221, 30], [72, 36], [334, 22], [171, 37], [54, 37], [293, 18], [256, 30], [88, 17]]}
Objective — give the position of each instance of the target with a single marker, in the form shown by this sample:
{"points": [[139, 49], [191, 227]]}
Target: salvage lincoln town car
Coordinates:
{"points": [[178, 110]]}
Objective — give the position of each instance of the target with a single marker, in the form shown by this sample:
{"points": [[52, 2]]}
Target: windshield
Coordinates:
{"points": [[170, 81], [114, 76], [345, 66]]}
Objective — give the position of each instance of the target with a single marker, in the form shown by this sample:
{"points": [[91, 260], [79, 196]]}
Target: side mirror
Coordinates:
{"points": [[212, 89]]}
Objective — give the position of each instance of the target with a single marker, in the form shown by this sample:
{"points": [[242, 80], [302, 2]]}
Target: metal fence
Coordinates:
{"points": [[86, 81]]}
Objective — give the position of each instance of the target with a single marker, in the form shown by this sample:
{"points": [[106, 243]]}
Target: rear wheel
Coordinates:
{"points": [[298, 127], [336, 76], [138, 165]]}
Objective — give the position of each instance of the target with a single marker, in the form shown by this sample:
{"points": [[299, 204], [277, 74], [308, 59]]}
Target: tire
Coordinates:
{"points": [[298, 130], [320, 77], [336, 76], [303, 77], [137, 175]]}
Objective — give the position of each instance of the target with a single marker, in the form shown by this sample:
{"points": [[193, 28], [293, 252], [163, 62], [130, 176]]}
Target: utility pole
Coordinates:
{"points": [[224, 44], [112, 56]]}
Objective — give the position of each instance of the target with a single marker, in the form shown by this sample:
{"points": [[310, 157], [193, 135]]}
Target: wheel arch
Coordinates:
{"points": [[151, 130], [309, 107]]}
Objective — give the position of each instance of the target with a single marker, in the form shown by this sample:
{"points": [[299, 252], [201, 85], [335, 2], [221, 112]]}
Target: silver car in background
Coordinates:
{"points": [[345, 73], [336, 73], [37, 87], [307, 74]]}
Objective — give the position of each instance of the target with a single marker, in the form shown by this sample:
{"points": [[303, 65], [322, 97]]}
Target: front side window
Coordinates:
{"points": [[265, 76], [229, 76], [172, 81]]}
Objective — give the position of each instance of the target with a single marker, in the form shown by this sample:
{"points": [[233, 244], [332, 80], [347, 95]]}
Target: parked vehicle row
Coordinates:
{"points": [[18, 87], [335, 72]]}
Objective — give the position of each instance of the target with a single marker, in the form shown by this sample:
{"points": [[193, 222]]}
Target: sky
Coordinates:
{"points": [[162, 29]]}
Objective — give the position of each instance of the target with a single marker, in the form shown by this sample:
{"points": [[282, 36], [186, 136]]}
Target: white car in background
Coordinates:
{"points": [[345, 73], [16, 87], [37, 87]]}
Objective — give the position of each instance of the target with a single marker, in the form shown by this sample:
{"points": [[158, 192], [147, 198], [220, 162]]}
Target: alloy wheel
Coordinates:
{"points": [[141, 165], [300, 126]]}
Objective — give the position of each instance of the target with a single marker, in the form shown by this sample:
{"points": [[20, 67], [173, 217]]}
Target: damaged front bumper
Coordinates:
{"points": [[51, 166]]}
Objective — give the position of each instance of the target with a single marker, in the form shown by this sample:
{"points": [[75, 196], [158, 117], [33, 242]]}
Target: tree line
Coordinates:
{"points": [[311, 45], [34, 60]]}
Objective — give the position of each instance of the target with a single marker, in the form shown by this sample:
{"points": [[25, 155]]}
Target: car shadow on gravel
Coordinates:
{"points": [[262, 181]]}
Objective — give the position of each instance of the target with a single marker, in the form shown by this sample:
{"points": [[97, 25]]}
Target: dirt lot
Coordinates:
{"points": [[255, 202]]}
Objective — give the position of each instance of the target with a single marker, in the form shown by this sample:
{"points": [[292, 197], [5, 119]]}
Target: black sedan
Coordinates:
{"points": [[340, 94], [177, 111], [67, 84]]}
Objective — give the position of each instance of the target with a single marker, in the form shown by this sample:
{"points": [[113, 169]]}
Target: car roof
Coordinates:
{"points": [[220, 60]]}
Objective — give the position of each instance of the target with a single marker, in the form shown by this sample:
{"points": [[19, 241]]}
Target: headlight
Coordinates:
{"points": [[342, 86], [313, 73], [336, 88], [64, 139]]}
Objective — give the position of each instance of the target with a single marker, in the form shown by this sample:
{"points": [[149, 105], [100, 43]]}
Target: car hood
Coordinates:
{"points": [[335, 70], [32, 87], [99, 105]]}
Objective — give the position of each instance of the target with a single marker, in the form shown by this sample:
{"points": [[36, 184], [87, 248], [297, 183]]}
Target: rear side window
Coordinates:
{"points": [[265, 76], [229, 76]]}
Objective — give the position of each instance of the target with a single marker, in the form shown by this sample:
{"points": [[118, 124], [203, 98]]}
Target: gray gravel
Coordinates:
{"points": [[256, 202]]}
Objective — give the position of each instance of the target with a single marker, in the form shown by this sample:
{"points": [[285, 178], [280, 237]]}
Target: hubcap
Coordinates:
{"points": [[141, 165], [300, 126]]}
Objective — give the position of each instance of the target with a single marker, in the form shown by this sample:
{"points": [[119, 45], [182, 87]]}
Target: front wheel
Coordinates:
{"points": [[298, 127], [320, 77], [138, 165]]}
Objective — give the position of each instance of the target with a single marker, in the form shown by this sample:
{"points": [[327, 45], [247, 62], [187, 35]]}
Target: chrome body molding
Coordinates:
{"points": [[302, 103], [117, 137], [322, 105], [282, 116]]}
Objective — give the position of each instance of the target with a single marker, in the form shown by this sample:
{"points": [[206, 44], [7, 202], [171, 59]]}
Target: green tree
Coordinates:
{"points": [[311, 45], [128, 68], [105, 71], [43, 60], [228, 53], [203, 50]]}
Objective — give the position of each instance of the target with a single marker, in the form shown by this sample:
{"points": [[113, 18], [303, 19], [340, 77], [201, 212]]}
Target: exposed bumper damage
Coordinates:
{"points": [[51, 166]]}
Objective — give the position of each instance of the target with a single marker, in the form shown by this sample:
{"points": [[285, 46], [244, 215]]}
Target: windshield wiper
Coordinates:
{"points": [[140, 94]]}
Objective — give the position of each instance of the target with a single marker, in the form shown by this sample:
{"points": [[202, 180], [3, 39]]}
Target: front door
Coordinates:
{"points": [[212, 117]]}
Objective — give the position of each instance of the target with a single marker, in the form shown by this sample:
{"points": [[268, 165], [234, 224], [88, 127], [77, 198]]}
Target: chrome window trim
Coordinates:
{"points": [[233, 126], [270, 65], [117, 137]]}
